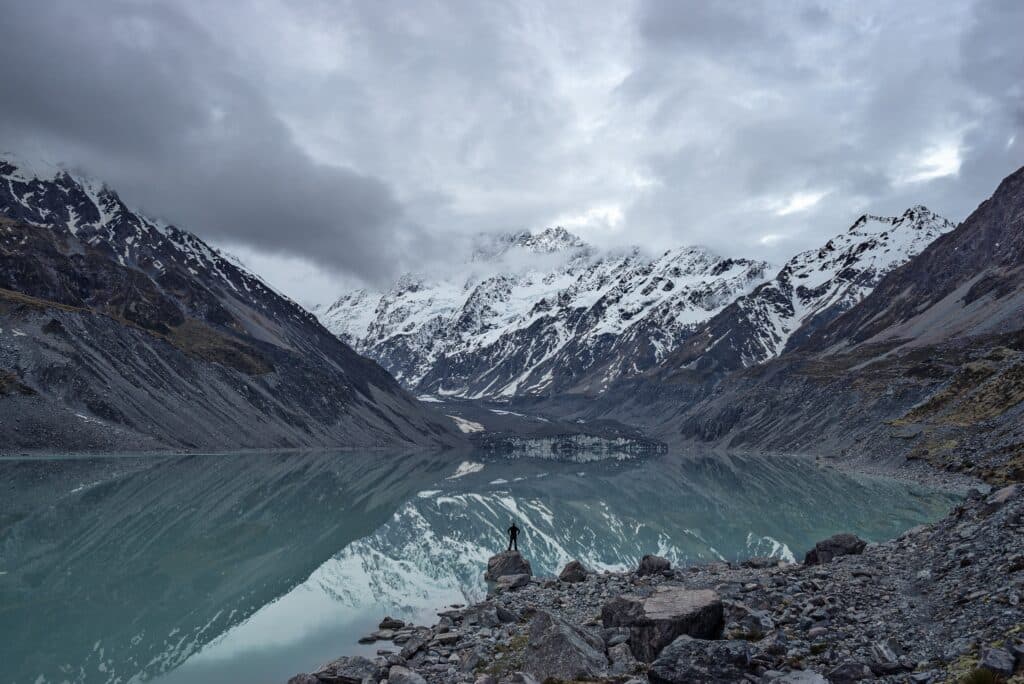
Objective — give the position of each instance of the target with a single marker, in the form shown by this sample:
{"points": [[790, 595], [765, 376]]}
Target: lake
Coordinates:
{"points": [[252, 567]]}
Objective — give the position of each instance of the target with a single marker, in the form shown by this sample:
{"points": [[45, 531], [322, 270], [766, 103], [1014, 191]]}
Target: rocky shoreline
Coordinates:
{"points": [[942, 603]]}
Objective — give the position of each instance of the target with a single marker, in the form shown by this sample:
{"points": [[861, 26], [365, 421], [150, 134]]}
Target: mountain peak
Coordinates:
{"points": [[554, 239], [917, 217]]}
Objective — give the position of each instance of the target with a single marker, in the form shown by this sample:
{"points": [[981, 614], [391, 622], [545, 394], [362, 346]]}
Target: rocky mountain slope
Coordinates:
{"points": [[929, 366], [118, 331], [810, 291], [537, 314]]}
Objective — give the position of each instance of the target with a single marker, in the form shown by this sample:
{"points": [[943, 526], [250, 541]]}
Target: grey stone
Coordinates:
{"points": [[837, 545], [391, 623], [561, 650], [760, 562], [574, 571], [447, 638], [849, 671], [621, 660], [470, 658], [688, 660], [1001, 497], [303, 679], [413, 645], [775, 642], [1017, 649], [507, 563], [509, 582], [403, 675], [349, 670], [519, 678], [998, 660], [656, 620], [614, 636], [795, 677], [652, 565]]}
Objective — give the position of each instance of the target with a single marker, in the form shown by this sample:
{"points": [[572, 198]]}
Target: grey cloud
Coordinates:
{"points": [[371, 137], [143, 97]]}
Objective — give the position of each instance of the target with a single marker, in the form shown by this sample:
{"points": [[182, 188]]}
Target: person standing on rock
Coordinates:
{"points": [[513, 537]]}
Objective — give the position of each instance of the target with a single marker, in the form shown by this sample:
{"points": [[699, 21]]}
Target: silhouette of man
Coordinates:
{"points": [[513, 537]]}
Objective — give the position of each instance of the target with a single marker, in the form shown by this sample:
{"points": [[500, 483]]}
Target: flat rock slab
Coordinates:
{"points": [[507, 563], [657, 620]]}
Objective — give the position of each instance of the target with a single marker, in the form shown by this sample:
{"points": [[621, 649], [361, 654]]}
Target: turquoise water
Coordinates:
{"points": [[252, 567]]}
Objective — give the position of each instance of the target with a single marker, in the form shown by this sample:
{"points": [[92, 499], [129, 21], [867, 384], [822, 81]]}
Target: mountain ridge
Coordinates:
{"points": [[533, 327], [123, 328]]}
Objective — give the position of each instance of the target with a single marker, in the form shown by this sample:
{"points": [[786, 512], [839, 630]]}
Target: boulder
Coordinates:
{"points": [[349, 670], [669, 612], [886, 657], [687, 660], [1000, 498], [794, 677], [621, 660], [471, 658], [304, 679], [760, 562], [998, 660], [837, 545], [483, 614], [775, 642], [557, 649], [507, 563], [403, 675], [574, 571], [744, 622], [518, 678], [509, 582], [1018, 652], [652, 565], [413, 645], [391, 623], [849, 671]]}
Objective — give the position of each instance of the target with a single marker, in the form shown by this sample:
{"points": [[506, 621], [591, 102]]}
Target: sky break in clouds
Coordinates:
{"points": [[330, 143]]}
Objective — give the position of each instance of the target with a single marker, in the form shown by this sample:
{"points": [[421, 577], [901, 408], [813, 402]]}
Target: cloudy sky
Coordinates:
{"points": [[331, 142]]}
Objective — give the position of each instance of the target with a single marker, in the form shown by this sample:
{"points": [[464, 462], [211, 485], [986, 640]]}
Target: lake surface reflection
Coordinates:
{"points": [[252, 567]]}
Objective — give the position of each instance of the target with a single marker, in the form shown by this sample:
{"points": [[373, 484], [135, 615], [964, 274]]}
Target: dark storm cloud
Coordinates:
{"points": [[144, 97], [371, 137]]}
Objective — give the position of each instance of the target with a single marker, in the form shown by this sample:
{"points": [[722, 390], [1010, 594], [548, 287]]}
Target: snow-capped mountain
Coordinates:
{"points": [[119, 330], [810, 291], [532, 314]]}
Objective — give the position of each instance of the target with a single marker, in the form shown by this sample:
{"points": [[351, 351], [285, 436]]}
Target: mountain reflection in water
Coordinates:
{"points": [[251, 567]]}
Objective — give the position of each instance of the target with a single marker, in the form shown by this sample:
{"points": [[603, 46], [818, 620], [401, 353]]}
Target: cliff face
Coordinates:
{"points": [[117, 331]]}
